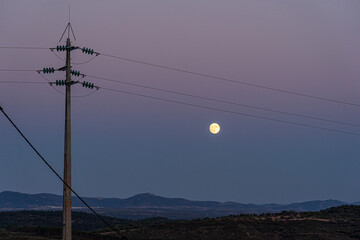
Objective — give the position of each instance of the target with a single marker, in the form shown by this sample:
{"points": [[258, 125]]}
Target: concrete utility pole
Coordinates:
{"points": [[67, 150], [67, 146]]}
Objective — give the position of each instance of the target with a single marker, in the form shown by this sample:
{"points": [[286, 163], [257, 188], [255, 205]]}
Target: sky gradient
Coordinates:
{"points": [[124, 145]]}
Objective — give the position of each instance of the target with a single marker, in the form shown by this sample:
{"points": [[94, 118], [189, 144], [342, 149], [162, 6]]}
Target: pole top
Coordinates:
{"points": [[68, 28]]}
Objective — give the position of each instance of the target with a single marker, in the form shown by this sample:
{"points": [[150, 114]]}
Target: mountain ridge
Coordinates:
{"points": [[146, 205]]}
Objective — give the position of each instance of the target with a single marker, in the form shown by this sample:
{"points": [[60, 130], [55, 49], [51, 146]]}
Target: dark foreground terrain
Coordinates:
{"points": [[334, 223]]}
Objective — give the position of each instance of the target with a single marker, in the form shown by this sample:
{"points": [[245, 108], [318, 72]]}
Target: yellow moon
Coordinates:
{"points": [[214, 128]]}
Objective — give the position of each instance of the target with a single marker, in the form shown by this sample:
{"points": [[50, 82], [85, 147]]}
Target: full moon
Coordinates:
{"points": [[214, 128]]}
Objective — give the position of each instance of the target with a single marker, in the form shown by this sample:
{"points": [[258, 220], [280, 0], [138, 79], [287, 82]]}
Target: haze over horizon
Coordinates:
{"points": [[124, 145]]}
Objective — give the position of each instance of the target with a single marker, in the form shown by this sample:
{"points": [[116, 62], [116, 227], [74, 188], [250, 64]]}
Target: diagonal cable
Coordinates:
{"points": [[53, 170]]}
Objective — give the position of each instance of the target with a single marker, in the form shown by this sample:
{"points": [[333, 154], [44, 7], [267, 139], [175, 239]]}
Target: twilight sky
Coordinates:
{"points": [[124, 144]]}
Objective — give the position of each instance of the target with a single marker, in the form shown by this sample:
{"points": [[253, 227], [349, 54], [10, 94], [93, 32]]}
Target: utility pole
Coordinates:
{"points": [[67, 149], [67, 230], [67, 143]]}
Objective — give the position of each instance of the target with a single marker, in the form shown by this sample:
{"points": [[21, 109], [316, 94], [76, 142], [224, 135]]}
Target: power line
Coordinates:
{"points": [[53, 170], [232, 112], [80, 63], [231, 80], [17, 70], [226, 102], [22, 70], [86, 95], [75, 63], [43, 48], [58, 56], [213, 77], [48, 81], [30, 48], [36, 82], [199, 97], [32, 82]]}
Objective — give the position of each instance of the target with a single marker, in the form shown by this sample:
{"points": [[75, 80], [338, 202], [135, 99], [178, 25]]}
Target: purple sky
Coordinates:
{"points": [[124, 145]]}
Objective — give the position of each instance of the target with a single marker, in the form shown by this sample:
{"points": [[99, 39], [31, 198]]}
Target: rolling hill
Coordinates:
{"points": [[149, 205]]}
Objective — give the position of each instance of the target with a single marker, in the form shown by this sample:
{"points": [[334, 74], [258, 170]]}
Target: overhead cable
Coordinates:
{"points": [[232, 80], [223, 101], [232, 112], [205, 75], [29, 48], [60, 178]]}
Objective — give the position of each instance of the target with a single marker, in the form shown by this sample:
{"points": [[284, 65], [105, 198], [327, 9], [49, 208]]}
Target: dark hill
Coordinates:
{"points": [[330, 224], [149, 205], [53, 219]]}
